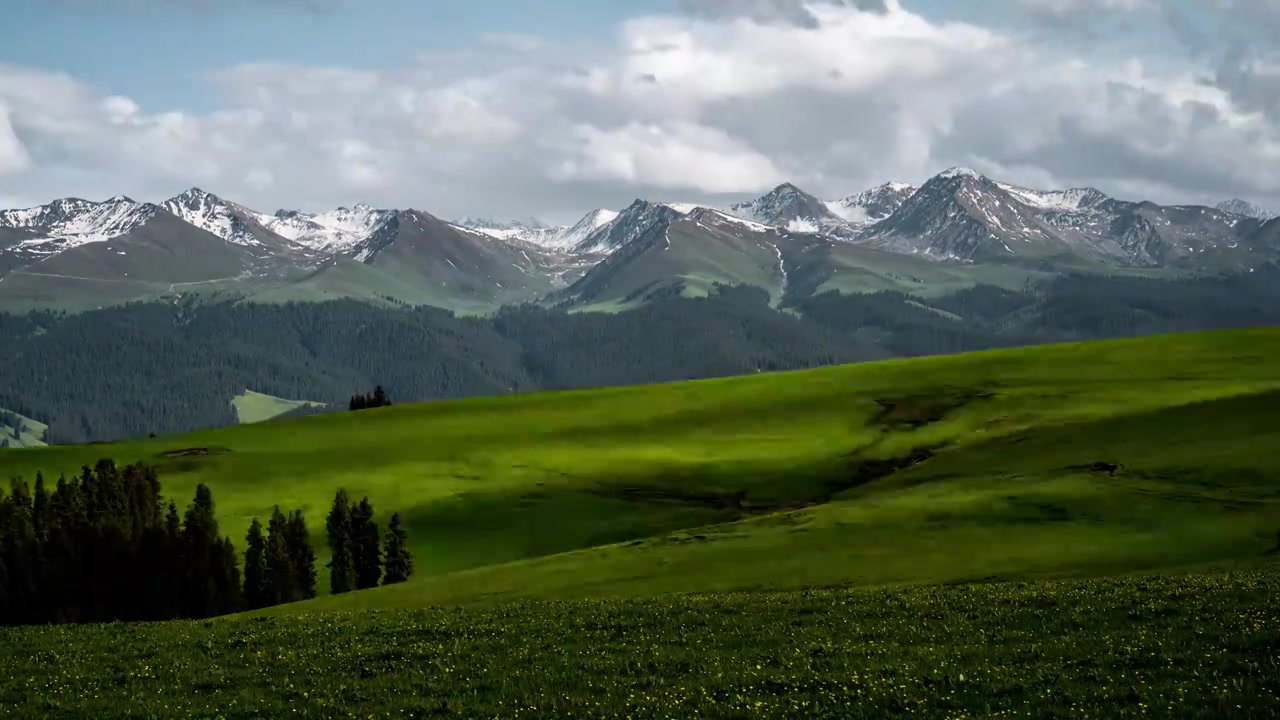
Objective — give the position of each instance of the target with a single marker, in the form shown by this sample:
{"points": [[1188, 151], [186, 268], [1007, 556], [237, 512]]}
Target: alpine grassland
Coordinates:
{"points": [[1074, 530]]}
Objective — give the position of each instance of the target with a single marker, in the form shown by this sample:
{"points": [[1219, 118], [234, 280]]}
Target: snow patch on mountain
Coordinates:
{"points": [[719, 216], [70, 222], [214, 215], [558, 238], [1073, 200], [789, 207], [873, 205], [530, 231], [638, 218], [336, 231], [803, 225], [581, 230], [1236, 206]]}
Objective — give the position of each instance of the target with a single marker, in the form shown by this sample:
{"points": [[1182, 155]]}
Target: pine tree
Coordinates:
{"points": [[399, 562], [18, 548], [368, 550], [174, 559], [302, 556], [40, 511], [280, 581], [379, 398], [201, 547], [342, 571], [257, 593], [226, 579]]}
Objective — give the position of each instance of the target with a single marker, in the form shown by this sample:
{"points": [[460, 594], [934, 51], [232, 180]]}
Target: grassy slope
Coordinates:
{"points": [[490, 481], [34, 431], [252, 407], [1200, 645], [693, 255]]}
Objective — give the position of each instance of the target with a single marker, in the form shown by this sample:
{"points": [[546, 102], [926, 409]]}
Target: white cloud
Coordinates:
{"points": [[14, 157], [679, 155], [695, 106]]}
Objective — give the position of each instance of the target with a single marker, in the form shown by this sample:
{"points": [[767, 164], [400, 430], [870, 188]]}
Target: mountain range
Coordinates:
{"points": [[958, 229]]}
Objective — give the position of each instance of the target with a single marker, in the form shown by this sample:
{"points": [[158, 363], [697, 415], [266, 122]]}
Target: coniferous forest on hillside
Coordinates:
{"points": [[160, 368], [107, 546]]}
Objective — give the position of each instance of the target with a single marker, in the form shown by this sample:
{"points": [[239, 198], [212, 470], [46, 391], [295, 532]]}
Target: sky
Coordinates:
{"points": [[514, 109]]}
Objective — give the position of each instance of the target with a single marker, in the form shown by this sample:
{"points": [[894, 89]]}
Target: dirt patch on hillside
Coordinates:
{"points": [[910, 412]]}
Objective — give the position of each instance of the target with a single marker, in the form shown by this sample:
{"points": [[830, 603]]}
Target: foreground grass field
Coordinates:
{"points": [[1084, 530], [1201, 645], [785, 480]]}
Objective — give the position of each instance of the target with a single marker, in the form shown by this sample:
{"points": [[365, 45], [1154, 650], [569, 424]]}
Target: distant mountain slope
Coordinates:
{"points": [[1245, 208], [632, 223], [233, 223], [474, 270], [682, 255], [871, 206], [334, 232], [790, 208], [960, 215]]}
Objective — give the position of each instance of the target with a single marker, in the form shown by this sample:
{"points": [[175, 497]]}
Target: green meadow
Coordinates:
{"points": [[1077, 529]]}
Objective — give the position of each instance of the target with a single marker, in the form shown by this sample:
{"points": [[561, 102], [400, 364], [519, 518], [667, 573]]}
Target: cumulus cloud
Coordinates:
{"points": [[680, 155], [202, 7], [793, 12], [726, 99], [13, 154]]}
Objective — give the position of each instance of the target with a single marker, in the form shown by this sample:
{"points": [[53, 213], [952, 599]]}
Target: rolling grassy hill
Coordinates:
{"points": [[785, 480], [841, 529]]}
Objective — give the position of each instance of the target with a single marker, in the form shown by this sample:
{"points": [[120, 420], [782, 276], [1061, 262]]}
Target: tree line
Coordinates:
{"points": [[105, 546], [155, 367], [376, 399]]}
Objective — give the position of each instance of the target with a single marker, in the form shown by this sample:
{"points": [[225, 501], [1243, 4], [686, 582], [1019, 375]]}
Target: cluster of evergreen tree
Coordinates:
{"points": [[280, 566], [359, 559], [103, 546], [376, 399]]}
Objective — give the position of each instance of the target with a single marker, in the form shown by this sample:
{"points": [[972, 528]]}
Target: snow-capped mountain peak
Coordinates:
{"points": [[574, 235], [787, 206], [631, 223], [1236, 206], [872, 206], [214, 215], [1072, 200], [960, 172], [73, 221], [335, 231], [529, 230]]}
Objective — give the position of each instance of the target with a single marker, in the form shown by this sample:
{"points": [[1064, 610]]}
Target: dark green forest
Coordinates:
{"points": [[106, 546], [159, 368]]}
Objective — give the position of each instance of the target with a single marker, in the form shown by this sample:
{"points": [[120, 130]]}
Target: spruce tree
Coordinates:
{"points": [[367, 550], [174, 559], [201, 548], [41, 513], [302, 556], [379, 398], [279, 564], [226, 579], [257, 593], [399, 562], [342, 571]]}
